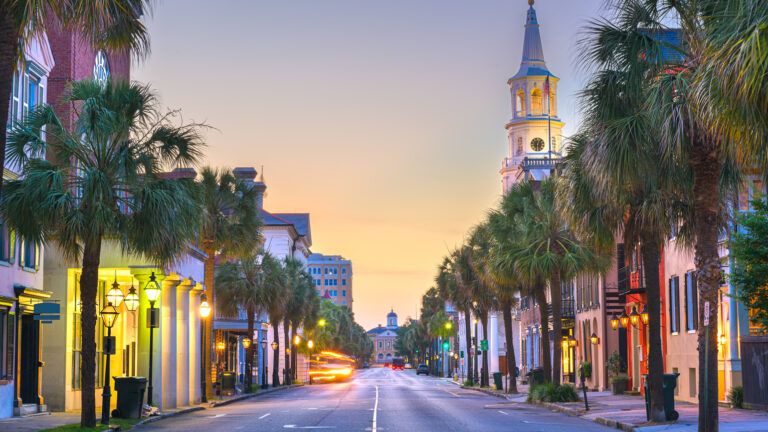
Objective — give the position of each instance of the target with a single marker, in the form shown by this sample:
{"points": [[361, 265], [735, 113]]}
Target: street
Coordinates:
{"points": [[376, 400]]}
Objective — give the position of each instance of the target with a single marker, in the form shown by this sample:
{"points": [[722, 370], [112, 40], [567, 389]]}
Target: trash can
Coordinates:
{"points": [[497, 381], [669, 383], [535, 377], [130, 396], [228, 383]]}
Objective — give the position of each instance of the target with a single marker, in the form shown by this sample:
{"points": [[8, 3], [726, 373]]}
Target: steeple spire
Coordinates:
{"points": [[533, 54]]}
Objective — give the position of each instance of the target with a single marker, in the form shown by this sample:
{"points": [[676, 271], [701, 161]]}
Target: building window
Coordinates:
{"points": [[692, 382], [343, 302], [520, 103], [29, 255], [380, 344], [343, 293], [7, 243], [691, 302], [317, 282], [344, 270], [343, 282], [674, 307]]}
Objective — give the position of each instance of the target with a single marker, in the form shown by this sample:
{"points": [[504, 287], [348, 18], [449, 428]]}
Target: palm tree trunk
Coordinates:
{"points": [[294, 354], [546, 360], [9, 53], [286, 359], [209, 268], [248, 381], [506, 309], [467, 355], [651, 256], [484, 381], [89, 280], [707, 166], [276, 355], [557, 326]]}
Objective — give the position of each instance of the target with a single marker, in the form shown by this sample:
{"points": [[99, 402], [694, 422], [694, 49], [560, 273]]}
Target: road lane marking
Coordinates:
{"points": [[265, 415], [503, 412], [375, 410], [217, 416], [307, 427]]}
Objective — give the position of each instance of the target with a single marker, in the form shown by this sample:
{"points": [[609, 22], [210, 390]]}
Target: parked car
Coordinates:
{"points": [[422, 369], [398, 363], [408, 366]]}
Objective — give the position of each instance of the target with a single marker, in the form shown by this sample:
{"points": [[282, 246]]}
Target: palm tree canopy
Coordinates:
{"points": [[240, 284], [105, 178]]}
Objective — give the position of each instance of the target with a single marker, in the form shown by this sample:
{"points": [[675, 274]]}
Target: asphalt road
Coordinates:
{"points": [[376, 400]]}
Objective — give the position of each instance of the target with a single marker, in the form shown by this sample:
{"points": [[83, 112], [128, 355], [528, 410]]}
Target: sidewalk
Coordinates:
{"points": [[46, 421], [628, 412]]}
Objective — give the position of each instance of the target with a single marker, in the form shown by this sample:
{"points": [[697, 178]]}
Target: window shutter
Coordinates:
{"points": [[695, 295], [12, 248], [10, 346]]}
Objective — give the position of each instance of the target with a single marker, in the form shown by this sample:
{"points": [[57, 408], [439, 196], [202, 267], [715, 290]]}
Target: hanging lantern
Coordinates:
{"points": [[246, 343], [572, 342], [205, 307], [132, 299], [644, 315], [634, 317], [115, 294], [220, 346], [152, 290], [594, 339], [624, 319], [109, 315], [615, 322]]}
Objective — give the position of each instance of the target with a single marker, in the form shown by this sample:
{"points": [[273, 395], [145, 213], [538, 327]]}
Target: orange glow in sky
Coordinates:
{"points": [[384, 120]]}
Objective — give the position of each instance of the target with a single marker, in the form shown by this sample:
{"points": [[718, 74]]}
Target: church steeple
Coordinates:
{"points": [[533, 63]]}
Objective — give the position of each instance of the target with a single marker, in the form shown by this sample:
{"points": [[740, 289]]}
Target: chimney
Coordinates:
{"points": [[247, 175]]}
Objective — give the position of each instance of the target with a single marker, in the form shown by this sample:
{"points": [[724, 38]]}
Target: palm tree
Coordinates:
{"points": [[112, 24], [241, 286], [103, 180], [453, 288], [299, 290], [507, 282], [550, 250], [230, 228], [276, 284], [483, 298], [713, 127]]}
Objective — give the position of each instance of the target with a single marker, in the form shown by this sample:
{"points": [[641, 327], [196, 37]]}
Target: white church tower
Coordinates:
{"points": [[534, 132]]}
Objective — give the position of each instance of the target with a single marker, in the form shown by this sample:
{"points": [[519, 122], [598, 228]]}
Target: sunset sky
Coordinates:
{"points": [[383, 119]]}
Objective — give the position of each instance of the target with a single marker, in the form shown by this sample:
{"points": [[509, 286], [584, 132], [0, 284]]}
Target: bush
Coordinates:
{"points": [[736, 397], [553, 393], [467, 383], [586, 367]]}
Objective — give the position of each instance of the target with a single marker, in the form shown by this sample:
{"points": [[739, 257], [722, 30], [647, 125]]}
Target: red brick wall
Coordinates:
{"points": [[74, 61]]}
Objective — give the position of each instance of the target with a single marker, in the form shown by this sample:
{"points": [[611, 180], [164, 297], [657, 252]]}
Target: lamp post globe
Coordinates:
{"points": [[246, 342], [115, 295], [131, 299]]}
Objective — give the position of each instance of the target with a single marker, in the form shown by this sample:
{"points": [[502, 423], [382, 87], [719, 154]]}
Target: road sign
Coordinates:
{"points": [[484, 345], [47, 312], [706, 313]]}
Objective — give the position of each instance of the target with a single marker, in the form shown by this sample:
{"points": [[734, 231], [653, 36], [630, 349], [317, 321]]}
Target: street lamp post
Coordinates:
{"points": [[275, 377], [108, 316], [205, 311], [152, 291], [310, 346], [264, 384]]}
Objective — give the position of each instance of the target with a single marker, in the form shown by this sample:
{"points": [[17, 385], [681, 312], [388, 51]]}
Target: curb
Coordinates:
{"points": [[627, 427], [488, 392], [212, 405]]}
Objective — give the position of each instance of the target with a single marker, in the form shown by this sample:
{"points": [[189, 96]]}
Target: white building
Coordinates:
{"points": [[21, 262]]}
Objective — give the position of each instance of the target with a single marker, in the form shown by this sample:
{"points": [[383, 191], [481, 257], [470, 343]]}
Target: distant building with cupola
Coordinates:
{"points": [[383, 338]]}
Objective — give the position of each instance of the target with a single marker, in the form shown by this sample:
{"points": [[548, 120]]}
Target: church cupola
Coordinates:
{"points": [[534, 137], [392, 319]]}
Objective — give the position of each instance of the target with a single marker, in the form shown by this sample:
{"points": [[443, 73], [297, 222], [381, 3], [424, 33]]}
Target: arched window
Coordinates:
{"points": [[520, 103], [536, 105], [519, 150]]}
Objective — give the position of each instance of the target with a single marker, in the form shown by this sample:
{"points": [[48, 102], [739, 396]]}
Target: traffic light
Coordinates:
{"points": [[446, 345]]}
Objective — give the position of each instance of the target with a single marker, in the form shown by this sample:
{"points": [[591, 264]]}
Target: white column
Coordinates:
{"points": [[195, 391], [182, 343], [493, 343], [168, 345]]}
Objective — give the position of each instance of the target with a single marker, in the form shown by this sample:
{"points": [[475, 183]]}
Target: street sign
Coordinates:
{"points": [[47, 312], [484, 345], [706, 313]]}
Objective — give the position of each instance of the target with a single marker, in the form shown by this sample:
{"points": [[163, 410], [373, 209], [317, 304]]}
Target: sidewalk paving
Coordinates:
{"points": [[628, 412], [50, 420]]}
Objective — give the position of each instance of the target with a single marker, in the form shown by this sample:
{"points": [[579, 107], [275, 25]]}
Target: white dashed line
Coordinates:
{"points": [[375, 410], [265, 415]]}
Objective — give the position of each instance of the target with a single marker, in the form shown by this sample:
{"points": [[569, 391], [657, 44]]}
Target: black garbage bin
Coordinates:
{"points": [[228, 383], [535, 377], [497, 381], [669, 382], [130, 396]]}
